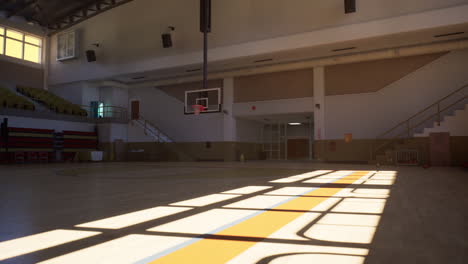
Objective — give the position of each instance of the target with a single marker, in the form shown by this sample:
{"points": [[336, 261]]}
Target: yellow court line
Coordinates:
{"points": [[210, 251]]}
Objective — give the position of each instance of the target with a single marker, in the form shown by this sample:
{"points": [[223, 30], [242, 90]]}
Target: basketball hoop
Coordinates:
{"points": [[197, 109]]}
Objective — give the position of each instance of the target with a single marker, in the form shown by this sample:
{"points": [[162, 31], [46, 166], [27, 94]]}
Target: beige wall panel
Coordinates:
{"points": [[193, 151], [366, 77], [274, 86], [19, 74], [359, 150], [178, 90]]}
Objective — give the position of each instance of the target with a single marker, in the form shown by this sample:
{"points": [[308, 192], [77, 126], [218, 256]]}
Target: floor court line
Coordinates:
{"points": [[221, 251]]}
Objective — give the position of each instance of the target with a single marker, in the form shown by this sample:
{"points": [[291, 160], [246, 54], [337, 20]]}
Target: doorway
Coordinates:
{"points": [[287, 137], [298, 148], [135, 108]]}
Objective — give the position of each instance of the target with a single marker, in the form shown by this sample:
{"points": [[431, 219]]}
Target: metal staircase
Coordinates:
{"points": [[401, 136], [159, 136], [152, 130]]}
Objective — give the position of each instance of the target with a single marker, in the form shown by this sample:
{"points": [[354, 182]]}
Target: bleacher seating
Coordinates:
{"points": [[9, 99], [28, 145], [78, 143], [52, 101]]}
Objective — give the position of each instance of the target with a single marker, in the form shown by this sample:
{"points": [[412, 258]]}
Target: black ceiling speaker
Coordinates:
{"points": [[350, 6], [205, 10], [166, 40], [90, 55]]}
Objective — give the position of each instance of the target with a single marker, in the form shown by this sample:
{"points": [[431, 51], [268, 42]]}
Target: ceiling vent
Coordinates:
{"points": [[264, 60], [138, 77], [449, 34], [343, 49], [193, 70]]}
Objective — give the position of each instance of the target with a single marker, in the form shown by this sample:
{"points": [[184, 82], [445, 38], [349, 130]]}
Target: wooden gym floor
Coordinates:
{"points": [[253, 212]]}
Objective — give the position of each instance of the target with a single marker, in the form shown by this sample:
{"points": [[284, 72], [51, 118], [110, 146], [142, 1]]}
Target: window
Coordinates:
{"points": [[2, 39], [101, 110], [66, 45], [18, 45]]}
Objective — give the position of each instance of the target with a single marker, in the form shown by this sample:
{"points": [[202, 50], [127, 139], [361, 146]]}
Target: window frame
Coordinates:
{"points": [[66, 45], [23, 42], [2, 34]]}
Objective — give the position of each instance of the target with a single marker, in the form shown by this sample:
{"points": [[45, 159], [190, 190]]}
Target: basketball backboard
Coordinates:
{"points": [[209, 98]]}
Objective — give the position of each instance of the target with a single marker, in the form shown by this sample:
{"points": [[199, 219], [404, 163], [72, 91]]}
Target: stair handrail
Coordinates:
{"points": [[145, 127], [411, 128], [422, 111]]}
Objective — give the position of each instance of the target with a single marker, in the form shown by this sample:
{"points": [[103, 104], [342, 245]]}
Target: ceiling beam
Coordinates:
{"points": [[84, 13], [24, 7]]}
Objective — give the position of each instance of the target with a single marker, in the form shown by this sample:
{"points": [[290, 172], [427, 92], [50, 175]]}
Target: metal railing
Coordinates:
{"points": [[106, 112], [153, 130], [423, 119], [113, 113]]}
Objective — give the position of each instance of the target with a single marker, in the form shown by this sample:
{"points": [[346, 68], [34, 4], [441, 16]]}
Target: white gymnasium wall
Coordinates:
{"points": [[90, 93], [72, 92], [368, 115], [57, 125], [167, 113], [240, 28], [119, 97], [248, 131], [83, 93], [111, 132]]}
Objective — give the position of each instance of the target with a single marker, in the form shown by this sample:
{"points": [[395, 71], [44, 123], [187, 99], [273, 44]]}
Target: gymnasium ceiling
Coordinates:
{"points": [[413, 38], [57, 14]]}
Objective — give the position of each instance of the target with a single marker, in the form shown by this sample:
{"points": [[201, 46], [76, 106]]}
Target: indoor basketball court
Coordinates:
{"points": [[246, 131]]}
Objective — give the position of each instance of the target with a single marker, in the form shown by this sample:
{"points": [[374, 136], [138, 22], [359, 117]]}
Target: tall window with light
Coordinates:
{"points": [[18, 45]]}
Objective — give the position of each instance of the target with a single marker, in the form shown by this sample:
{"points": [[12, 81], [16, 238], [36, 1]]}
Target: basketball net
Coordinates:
{"points": [[197, 109]]}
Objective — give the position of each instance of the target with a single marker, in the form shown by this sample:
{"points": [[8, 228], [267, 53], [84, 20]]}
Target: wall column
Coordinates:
{"points": [[229, 122], [319, 110], [46, 62], [229, 127]]}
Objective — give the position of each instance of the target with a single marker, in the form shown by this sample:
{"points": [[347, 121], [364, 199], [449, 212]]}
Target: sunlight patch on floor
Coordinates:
{"points": [[301, 177], [360, 205], [293, 217], [28, 244], [125, 220], [206, 200], [204, 223], [259, 202], [318, 258], [341, 233], [291, 191], [124, 250], [248, 190], [276, 251]]}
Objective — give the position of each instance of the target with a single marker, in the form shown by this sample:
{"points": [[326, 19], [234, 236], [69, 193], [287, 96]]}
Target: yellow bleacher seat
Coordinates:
{"points": [[52, 101], [11, 100]]}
